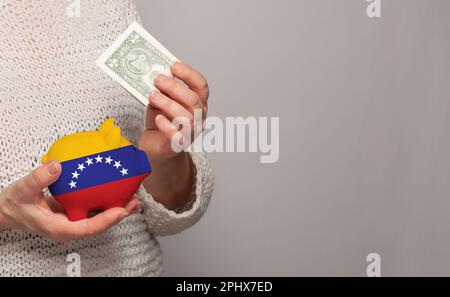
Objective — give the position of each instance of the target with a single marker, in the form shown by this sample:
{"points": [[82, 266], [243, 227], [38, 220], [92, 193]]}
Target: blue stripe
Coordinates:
{"points": [[101, 168]]}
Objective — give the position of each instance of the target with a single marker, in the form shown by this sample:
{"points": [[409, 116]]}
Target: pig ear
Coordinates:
{"points": [[107, 126], [113, 137]]}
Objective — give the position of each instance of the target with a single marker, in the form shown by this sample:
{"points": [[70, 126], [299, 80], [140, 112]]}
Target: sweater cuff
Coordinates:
{"points": [[162, 221]]}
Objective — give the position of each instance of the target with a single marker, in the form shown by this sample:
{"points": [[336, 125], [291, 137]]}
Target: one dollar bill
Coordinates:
{"points": [[135, 59]]}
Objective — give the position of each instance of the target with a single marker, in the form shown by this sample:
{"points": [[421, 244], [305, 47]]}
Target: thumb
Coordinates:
{"points": [[40, 178]]}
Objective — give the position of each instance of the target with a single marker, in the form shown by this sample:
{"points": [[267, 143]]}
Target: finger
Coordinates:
{"points": [[66, 230], [153, 142], [194, 79], [138, 209], [133, 205], [178, 92], [39, 179], [169, 130], [170, 108], [151, 114]]}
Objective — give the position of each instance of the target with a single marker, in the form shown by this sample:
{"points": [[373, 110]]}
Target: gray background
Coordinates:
{"points": [[365, 112]]}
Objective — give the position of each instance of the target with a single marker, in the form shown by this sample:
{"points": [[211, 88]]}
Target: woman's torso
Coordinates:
{"points": [[50, 87]]}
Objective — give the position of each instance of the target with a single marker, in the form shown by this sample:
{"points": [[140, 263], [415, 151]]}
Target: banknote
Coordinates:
{"points": [[135, 59]]}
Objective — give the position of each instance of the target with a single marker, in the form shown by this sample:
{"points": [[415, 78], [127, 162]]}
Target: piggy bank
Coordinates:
{"points": [[100, 170]]}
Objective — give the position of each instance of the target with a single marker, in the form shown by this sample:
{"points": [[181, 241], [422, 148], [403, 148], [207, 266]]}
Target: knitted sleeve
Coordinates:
{"points": [[162, 221]]}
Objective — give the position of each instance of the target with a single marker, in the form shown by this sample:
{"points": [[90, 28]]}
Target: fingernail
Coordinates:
{"points": [[178, 67], [158, 118], [52, 167], [162, 78]]}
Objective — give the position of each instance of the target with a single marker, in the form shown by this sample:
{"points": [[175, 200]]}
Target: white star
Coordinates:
{"points": [[124, 171], [117, 164], [108, 160], [81, 167], [89, 161], [99, 159], [75, 174], [72, 184]]}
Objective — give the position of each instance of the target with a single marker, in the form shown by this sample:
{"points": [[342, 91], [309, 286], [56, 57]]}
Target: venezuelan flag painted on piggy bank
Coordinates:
{"points": [[100, 170]]}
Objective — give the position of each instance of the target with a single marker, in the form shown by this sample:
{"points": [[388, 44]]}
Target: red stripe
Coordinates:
{"points": [[102, 197]]}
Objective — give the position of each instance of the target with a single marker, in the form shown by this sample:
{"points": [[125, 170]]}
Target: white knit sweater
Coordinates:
{"points": [[51, 87]]}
